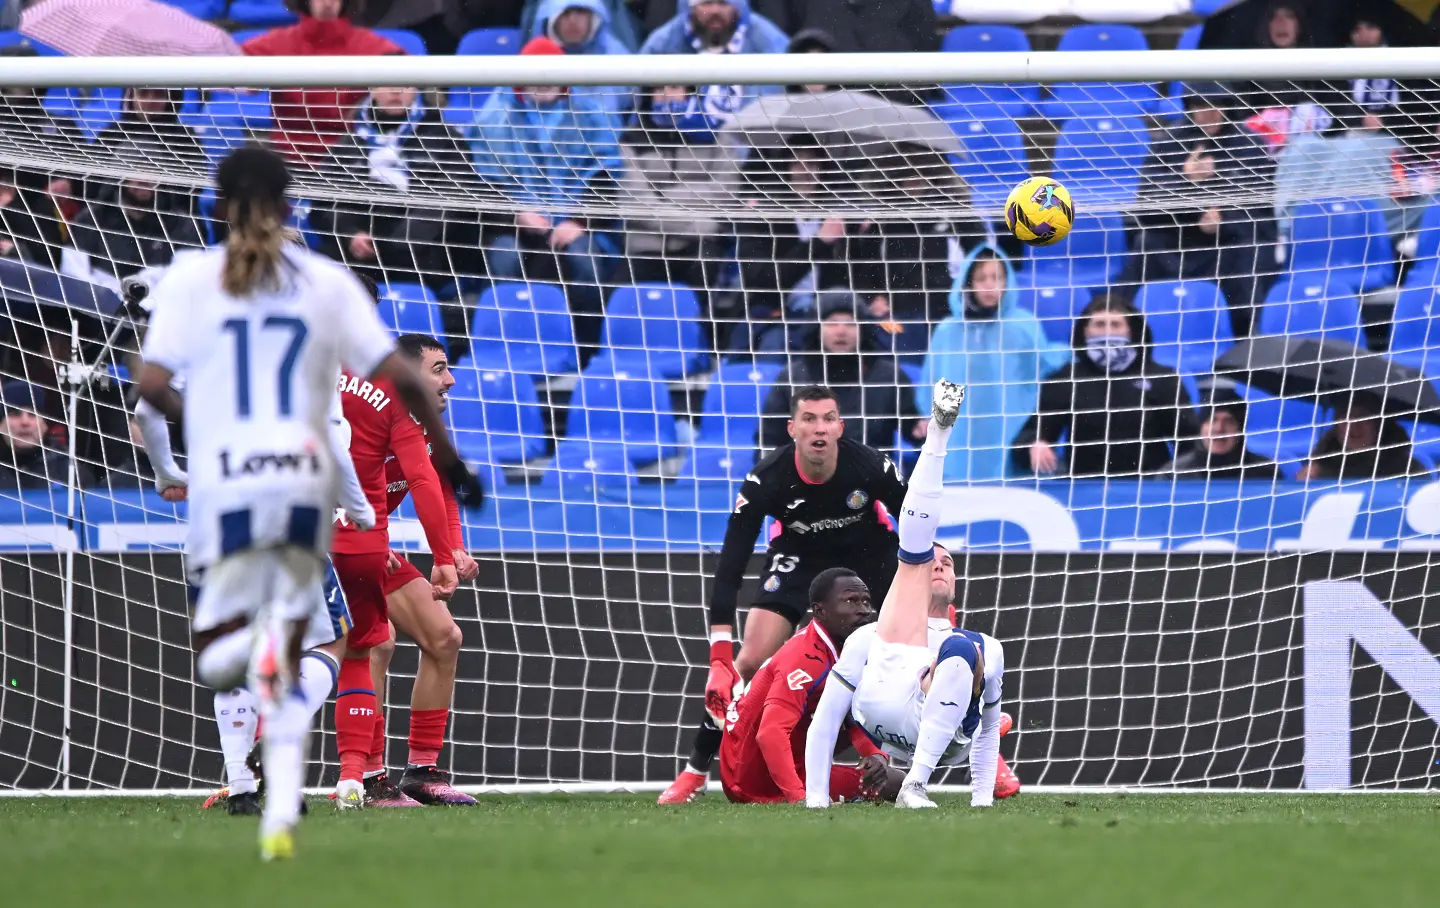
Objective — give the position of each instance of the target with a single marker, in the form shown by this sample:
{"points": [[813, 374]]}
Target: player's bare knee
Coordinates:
{"points": [[383, 652], [444, 645]]}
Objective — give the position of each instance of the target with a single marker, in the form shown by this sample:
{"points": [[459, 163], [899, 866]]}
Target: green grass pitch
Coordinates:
{"points": [[1054, 851]]}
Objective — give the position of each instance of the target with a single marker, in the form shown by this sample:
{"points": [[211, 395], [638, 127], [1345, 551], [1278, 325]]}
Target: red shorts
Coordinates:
{"points": [[750, 787], [366, 583]]}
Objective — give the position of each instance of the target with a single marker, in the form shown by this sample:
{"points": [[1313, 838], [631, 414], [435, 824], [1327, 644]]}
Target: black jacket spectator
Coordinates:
{"points": [[1362, 445], [134, 226], [30, 224], [26, 460], [149, 133], [1117, 410], [1219, 450], [859, 26], [400, 144], [867, 386], [1283, 25]]}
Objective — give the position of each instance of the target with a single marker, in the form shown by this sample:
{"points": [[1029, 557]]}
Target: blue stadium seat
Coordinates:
{"points": [[1190, 38], [1070, 100], [411, 43], [241, 35], [1173, 105], [653, 329], [200, 9], [1016, 99], [1346, 237], [490, 42], [410, 309], [260, 14], [1056, 308], [708, 462], [589, 462], [12, 38], [524, 328], [227, 119], [1425, 439], [1284, 429], [496, 416], [1190, 321], [1309, 305], [1090, 256], [1099, 159], [734, 400], [1427, 238], [995, 158], [1415, 330], [618, 407]]}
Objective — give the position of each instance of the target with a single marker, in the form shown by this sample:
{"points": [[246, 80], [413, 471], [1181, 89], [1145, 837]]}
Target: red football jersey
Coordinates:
{"points": [[397, 487], [381, 427], [763, 752]]}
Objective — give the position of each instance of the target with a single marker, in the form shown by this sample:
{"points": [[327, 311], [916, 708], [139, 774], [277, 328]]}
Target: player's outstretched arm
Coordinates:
{"points": [[825, 725], [155, 436]]}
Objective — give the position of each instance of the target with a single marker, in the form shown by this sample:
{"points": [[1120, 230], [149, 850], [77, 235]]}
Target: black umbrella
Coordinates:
{"points": [[1327, 23], [1311, 367], [25, 284]]}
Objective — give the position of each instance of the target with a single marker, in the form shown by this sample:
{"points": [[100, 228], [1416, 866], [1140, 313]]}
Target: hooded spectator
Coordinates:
{"points": [[401, 144], [149, 130], [551, 152], [619, 18], [30, 224], [811, 41], [310, 119], [1118, 411], [719, 27], [868, 390], [677, 169], [860, 26], [1362, 444], [133, 226], [26, 462], [1219, 450], [995, 348], [1283, 25], [583, 27]]}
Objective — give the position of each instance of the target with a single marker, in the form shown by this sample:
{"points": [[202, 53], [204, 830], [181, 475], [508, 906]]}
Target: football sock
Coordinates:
{"points": [[318, 674], [356, 715], [236, 715], [287, 732], [920, 513], [375, 754], [705, 747], [427, 735], [222, 664], [945, 706]]}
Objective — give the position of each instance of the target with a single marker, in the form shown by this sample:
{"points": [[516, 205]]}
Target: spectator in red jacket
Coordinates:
{"points": [[308, 120]]}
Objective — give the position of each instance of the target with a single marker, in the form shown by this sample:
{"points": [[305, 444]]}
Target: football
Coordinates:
{"points": [[1039, 212]]}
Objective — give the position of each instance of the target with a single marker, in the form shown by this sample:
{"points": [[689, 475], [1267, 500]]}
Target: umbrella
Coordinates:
{"points": [[855, 120], [124, 28], [1312, 367], [1328, 23]]}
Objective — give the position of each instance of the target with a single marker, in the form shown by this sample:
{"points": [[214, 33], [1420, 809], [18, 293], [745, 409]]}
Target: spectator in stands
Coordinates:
{"points": [[30, 225], [620, 14], [583, 27], [1219, 450], [993, 346], [149, 131], [719, 27], [400, 144], [308, 120], [811, 41], [26, 462], [1193, 229], [25, 121], [551, 152], [1118, 411], [867, 386], [1282, 25], [675, 161], [859, 26], [130, 227], [1362, 444]]}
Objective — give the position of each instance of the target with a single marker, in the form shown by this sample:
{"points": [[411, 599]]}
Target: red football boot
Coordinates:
{"points": [[1006, 782], [687, 786]]}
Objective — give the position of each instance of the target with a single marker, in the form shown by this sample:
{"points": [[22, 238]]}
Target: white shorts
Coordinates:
{"points": [[887, 703], [285, 582]]}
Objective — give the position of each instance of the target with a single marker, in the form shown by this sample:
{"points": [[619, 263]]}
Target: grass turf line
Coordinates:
{"points": [[1214, 851]]}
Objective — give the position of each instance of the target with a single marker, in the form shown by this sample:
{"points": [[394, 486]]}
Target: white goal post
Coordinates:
{"points": [[1165, 630]]}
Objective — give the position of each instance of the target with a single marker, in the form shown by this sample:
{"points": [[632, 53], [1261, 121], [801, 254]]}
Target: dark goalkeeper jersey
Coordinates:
{"points": [[837, 521]]}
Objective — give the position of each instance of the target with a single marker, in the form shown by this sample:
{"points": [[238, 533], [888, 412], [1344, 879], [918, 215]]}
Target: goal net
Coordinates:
{"points": [[1191, 490]]}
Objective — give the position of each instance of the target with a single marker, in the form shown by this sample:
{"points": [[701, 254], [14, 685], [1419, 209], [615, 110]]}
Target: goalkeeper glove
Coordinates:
{"points": [[723, 682], [466, 485]]}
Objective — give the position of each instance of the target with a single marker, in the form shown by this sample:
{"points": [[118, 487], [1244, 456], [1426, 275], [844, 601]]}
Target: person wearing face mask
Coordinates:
{"points": [[1362, 444], [1117, 411], [1219, 450], [994, 347], [676, 168]]}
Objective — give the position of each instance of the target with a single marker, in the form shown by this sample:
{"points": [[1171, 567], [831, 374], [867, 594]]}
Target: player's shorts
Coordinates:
{"points": [[844, 786], [785, 581], [887, 703], [286, 580], [366, 583], [331, 618]]}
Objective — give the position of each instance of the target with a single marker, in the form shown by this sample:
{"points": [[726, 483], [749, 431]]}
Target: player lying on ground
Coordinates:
{"points": [[391, 460], [258, 332], [919, 707], [824, 492], [762, 755]]}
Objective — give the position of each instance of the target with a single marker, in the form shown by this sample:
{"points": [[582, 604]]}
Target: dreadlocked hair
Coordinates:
{"points": [[252, 181]]}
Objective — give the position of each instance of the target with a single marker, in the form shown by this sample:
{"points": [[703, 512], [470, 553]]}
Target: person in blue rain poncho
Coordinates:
{"points": [[584, 27], [995, 348], [720, 27]]}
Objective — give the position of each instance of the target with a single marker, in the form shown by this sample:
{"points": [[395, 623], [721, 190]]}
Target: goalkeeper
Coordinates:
{"points": [[825, 494]]}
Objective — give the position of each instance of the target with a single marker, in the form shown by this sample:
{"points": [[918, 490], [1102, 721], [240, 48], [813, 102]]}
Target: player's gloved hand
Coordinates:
{"points": [[466, 485], [722, 682]]}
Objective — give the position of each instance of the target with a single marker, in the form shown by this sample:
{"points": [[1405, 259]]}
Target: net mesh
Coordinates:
{"points": [[627, 298]]}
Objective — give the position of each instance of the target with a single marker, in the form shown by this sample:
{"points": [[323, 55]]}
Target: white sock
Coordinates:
{"points": [[236, 715], [317, 680], [920, 512], [222, 664], [951, 688], [287, 733]]}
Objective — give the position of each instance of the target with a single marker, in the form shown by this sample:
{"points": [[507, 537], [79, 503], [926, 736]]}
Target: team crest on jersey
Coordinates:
{"points": [[772, 583], [857, 500], [798, 679]]}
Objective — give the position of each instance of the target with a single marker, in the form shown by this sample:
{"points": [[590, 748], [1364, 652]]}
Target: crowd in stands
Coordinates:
{"points": [[876, 306]]}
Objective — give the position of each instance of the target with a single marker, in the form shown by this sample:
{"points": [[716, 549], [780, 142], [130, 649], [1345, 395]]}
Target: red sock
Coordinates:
{"points": [[375, 759], [427, 735], [355, 715]]}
